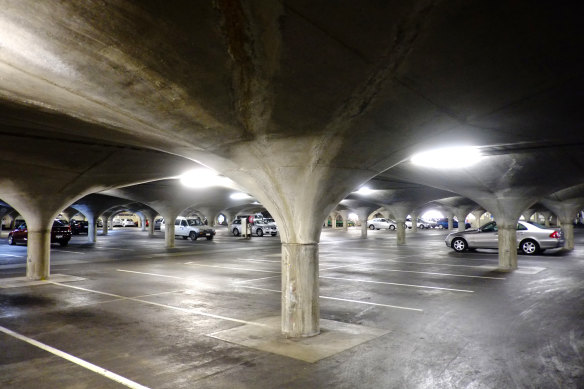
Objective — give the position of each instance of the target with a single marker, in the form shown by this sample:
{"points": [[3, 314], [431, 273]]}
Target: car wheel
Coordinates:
{"points": [[529, 247], [259, 232], [392, 227], [235, 232], [63, 243], [210, 237], [11, 240], [193, 235], [371, 227], [459, 245], [185, 237], [440, 227]]}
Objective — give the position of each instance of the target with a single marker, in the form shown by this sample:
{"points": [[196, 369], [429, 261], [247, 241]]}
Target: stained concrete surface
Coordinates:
{"points": [[508, 330]]}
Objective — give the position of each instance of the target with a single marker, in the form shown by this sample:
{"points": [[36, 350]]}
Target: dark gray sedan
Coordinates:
{"points": [[532, 238]]}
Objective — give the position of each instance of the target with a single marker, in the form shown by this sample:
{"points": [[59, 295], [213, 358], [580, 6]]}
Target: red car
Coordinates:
{"points": [[60, 233]]}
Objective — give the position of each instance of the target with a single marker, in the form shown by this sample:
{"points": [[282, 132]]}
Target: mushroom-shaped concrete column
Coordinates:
{"points": [[566, 211], [211, 214], [400, 213], [450, 216], [363, 212], [477, 217], [345, 215], [414, 216], [547, 215]]}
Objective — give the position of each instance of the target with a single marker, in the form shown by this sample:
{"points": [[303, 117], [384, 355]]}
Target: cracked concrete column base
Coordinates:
{"points": [[38, 261], [300, 287]]}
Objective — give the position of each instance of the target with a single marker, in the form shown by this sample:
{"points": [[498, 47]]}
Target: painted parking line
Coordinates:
{"points": [[78, 361], [231, 268], [150, 274], [368, 262], [12, 255], [398, 284], [256, 260], [185, 310], [431, 273], [255, 279], [70, 252], [340, 299]]}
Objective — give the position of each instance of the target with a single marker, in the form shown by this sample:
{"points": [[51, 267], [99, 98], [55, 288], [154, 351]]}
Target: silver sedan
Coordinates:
{"points": [[380, 223], [531, 238]]}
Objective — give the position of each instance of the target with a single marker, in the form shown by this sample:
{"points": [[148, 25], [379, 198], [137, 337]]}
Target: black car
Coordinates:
{"points": [[79, 227]]}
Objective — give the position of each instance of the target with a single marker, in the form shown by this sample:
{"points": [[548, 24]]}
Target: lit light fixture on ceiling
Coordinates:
{"points": [[364, 190], [448, 158], [203, 178], [239, 196]]}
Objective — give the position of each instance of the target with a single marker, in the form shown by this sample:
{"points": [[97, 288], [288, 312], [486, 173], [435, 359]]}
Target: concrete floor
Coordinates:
{"points": [[145, 313]]}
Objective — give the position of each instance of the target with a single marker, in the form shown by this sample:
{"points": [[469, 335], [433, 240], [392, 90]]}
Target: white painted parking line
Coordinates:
{"points": [[78, 361], [71, 252], [186, 310], [431, 273], [397, 284], [366, 263], [340, 299], [11, 255], [256, 260], [231, 268], [255, 279], [149, 274], [486, 267]]}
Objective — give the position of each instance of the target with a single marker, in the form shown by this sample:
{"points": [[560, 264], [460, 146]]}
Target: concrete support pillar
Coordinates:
{"points": [[91, 228], [363, 213], [334, 220], [461, 221], [151, 227], [38, 253], [477, 214], [547, 216], [507, 246], [143, 222], [169, 229], [450, 221], [414, 222], [345, 216], [300, 290], [104, 227], [401, 231], [568, 228]]}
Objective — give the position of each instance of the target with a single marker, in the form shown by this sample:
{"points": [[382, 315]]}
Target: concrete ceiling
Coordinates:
{"points": [[299, 102]]}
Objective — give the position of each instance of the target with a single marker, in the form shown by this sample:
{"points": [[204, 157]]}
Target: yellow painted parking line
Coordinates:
{"points": [[78, 361]]}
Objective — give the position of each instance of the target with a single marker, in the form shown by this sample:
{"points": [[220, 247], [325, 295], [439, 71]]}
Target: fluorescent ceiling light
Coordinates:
{"points": [[239, 196], [448, 158], [204, 178], [364, 190]]}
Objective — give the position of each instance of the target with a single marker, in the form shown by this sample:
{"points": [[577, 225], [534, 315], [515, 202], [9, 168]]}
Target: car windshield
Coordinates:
{"points": [[537, 225], [489, 227], [194, 222], [58, 223]]}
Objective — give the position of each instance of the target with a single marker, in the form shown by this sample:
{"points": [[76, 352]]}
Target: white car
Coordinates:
{"points": [[192, 228], [128, 223], [381, 223], [259, 227], [421, 224], [117, 222]]}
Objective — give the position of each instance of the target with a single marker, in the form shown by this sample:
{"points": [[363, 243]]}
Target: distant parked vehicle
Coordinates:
{"points": [[60, 233], [381, 223], [79, 227], [421, 224], [128, 223], [192, 228], [531, 238], [117, 222], [259, 227], [443, 224]]}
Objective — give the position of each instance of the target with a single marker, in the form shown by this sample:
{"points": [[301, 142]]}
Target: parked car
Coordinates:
{"points": [[79, 227], [259, 227], [381, 223], [128, 223], [158, 224], [531, 238], [421, 224], [60, 233], [339, 223], [192, 228], [443, 224], [117, 222]]}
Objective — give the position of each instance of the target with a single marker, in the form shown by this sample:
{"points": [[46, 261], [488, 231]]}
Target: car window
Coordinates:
{"points": [[537, 225], [521, 227], [58, 223], [183, 223], [194, 222], [490, 227], [177, 222]]}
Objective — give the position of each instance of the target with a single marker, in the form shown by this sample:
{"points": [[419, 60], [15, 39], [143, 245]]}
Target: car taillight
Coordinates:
{"points": [[555, 235], [69, 228]]}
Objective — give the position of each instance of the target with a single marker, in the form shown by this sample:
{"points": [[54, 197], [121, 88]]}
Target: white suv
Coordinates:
{"points": [[192, 228], [260, 227]]}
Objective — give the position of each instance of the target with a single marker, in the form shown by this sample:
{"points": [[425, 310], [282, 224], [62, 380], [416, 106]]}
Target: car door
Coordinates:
{"points": [[487, 237]]}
